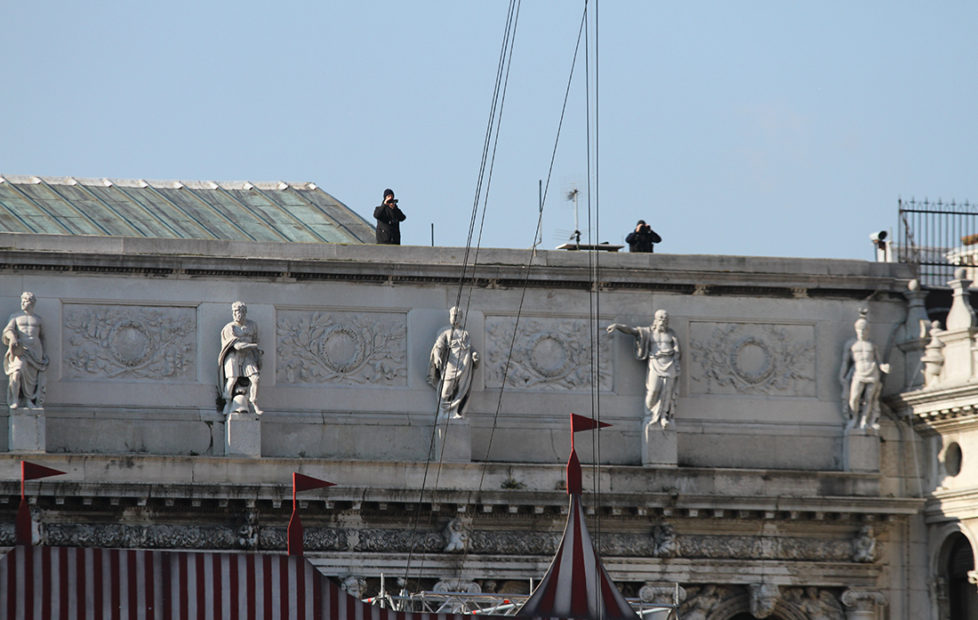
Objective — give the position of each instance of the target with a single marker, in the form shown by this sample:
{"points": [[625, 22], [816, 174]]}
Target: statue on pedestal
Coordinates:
{"points": [[239, 363], [861, 376], [451, 365], [660, 346], [24, 362]]}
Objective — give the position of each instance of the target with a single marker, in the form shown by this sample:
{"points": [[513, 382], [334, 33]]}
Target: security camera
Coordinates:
{"points": [[878, 237]]}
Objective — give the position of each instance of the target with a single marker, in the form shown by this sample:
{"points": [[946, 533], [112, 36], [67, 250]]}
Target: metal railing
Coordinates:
{"points": [[934, 239], [492, 604]]}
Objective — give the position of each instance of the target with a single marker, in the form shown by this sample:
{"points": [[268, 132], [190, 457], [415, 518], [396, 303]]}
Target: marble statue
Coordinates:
{"points": [[864, 545], [457, 536], [239, 364], [660, 346], [25, 363], [451, 366], [861, 376]]}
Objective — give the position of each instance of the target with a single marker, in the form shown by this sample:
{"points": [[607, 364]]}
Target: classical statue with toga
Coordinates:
{"points": [[660, 346], [239, 364], [451, 365]]}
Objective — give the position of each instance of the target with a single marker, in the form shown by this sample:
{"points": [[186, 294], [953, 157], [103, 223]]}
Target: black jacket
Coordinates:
{"points": [[642, 241], [389, 224]]}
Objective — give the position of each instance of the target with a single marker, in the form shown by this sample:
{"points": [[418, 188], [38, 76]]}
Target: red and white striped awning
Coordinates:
{"points": [[577, 584], [67, 583]]}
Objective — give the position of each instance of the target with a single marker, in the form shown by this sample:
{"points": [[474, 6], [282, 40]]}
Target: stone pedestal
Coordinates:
{"points": [[25, 430], [243, 435], [659, 445], [453, 441], [861, 451]]}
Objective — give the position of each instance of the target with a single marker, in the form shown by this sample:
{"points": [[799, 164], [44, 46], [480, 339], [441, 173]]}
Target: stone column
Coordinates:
{"points": [[862, 604], [913, 335], [25, 430], [453, 440], [243, 434], [961, 322]]}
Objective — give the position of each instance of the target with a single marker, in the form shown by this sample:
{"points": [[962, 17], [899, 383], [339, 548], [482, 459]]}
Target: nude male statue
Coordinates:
{"points": [[861, 375], [24, 362], [240, 357], [660, 346]]}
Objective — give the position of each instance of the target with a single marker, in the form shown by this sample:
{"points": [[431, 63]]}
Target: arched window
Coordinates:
{"points": [[962, 597]]}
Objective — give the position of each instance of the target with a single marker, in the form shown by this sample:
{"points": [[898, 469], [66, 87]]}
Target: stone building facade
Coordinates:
{"points": [[759, 500]]}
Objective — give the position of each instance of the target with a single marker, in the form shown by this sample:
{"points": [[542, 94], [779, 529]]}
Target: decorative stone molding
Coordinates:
{"points": [[122, 343], [352, 348], [862, 603], [746, 358], [933, 358], [249, 534], [702, 600], [764, 597], [548, 354], [815, 603], [662, 593], [961, 315], [453, 584]]}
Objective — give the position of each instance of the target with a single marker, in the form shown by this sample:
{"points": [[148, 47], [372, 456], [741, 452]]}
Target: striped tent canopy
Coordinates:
{"points": [[577, 584], [67, 583]]}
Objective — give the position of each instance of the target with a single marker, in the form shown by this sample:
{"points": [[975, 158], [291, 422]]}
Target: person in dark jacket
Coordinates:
{"points": [[642, 238], [389, 217]]}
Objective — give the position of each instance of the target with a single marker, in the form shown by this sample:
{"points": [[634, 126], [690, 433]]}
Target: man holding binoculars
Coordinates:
{"points": [[642, 238], [389, 217]]}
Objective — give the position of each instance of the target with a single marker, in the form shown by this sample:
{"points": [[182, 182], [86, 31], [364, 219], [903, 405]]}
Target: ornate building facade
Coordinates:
{"points": [[779, 486]]}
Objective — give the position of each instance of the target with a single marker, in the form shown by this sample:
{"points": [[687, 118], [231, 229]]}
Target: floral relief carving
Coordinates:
{"points": [[548, 354], [342, 347], [129, 342], [742, 358]]}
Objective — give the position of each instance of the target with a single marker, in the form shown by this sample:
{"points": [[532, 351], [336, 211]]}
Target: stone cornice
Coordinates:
{"points": [[714, 275], [957, 505], [940, 409]]}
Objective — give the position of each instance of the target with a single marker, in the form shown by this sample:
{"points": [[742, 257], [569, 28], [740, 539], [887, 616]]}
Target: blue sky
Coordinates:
{"points": [[749, 128]]}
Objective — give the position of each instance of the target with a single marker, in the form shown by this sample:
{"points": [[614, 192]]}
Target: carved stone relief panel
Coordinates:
{"points": [[752, 358], [110, 342], [354, 348], [548, 354]]}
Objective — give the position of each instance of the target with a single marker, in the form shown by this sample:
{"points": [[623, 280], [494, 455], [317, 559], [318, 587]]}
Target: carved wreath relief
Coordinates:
{"points": [[359, 348], [548, 354], [129, 342], [744, 358]]}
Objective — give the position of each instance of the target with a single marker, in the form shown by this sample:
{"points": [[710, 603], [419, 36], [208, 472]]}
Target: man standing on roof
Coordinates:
{"points": [[642, 238], [389, 217]]}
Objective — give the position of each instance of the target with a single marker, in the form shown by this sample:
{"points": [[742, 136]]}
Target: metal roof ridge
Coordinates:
{"points": [[279, 185]]}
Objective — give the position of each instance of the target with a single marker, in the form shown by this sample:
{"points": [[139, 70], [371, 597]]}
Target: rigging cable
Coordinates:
{"points": [[593, 266], [505, 56], [526, 270]]}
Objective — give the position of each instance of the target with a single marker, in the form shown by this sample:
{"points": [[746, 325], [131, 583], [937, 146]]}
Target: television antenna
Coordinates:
{"points": [[573, 194]]}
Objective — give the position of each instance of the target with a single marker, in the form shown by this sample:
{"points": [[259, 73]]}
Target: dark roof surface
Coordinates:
{"points": [[241, 211]]}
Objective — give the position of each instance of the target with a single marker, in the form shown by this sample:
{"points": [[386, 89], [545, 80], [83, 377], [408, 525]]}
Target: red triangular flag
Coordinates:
{"points": [[301, 482], [581, 423], [30, 471]]}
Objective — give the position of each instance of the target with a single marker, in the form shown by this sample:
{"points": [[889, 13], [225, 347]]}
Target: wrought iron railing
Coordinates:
{"points": [[936, 237]]}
